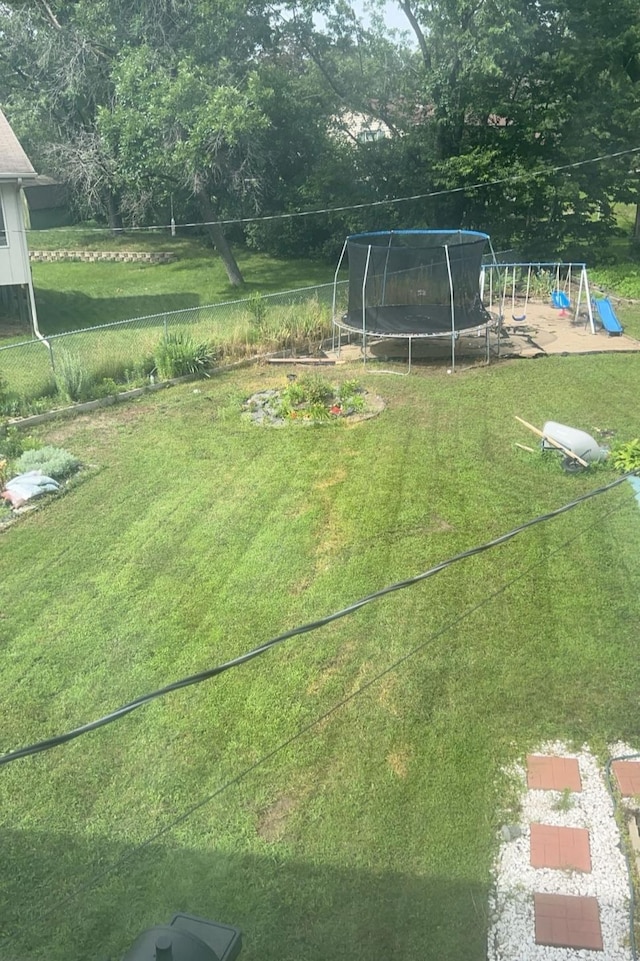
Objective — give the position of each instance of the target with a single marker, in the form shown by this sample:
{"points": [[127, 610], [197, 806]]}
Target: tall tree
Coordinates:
{"points": [[63, 61], [516, 87]]}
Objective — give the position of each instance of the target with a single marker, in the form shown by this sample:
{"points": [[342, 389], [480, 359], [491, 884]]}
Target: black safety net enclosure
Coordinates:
{"points": [[415, 283]]}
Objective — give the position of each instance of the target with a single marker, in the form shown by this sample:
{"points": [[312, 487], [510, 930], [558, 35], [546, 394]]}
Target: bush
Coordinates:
{"points": [[316, 390], [53, 461], [626, 457], [72, 379], [257, 307], [107, 388], [11, 445], [178, 354]]}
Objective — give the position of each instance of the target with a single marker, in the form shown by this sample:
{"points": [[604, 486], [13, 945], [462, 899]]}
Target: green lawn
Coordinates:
{"points": [[76, 295], [199, 536]]}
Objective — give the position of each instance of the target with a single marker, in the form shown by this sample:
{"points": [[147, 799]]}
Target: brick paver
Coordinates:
{"points": [[549, 773], [560, 848], [566, 921], [628, 776]]}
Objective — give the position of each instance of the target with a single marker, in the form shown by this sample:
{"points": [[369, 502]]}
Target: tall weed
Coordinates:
{"points": [[72, 379]]}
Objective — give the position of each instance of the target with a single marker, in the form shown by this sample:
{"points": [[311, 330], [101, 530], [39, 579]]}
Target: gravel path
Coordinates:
{"points": [[512, 922]]}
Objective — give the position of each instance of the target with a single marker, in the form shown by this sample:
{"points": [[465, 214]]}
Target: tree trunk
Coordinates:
{"points": [[218, 239], [113, 214]]}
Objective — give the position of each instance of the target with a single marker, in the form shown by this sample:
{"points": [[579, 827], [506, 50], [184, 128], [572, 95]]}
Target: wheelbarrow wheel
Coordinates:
{"points": [[571, 465]]}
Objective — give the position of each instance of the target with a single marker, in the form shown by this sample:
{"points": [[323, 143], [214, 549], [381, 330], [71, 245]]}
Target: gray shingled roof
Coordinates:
{"points": [[13, 160]]}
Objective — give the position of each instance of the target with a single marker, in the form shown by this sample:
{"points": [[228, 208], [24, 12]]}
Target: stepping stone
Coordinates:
{"points": [[560, 848], [549, 773], [628, 776], [565, 921]]}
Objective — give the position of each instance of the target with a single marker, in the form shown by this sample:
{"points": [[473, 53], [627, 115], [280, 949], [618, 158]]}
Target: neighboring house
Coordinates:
{"points": [[16, 286], [48, 203], [360, 127]]}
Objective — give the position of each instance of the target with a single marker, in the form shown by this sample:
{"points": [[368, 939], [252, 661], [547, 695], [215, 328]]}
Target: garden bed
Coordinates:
{"points": [[312, 400]]}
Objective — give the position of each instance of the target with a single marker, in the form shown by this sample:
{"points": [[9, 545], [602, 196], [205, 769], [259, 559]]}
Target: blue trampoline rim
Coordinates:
{"points": [[386, 233]]}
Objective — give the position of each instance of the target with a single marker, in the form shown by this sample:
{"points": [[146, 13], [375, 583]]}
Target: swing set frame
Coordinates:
{"points": [[502, 283]]}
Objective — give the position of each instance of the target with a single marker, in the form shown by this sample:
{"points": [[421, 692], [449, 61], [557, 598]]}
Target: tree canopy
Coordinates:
{"points": [[225, 110]]}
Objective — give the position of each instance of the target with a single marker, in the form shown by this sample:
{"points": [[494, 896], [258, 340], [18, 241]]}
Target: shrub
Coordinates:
{"points": [[53, 461], [106, 388], [257, 307], [178, 354], [72, 379], [11, 445], [626, 457], [316, 389], [347, 390]]}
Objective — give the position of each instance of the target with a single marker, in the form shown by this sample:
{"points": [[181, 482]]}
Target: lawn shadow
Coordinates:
{"points": [[60, 312], [287, 909]]}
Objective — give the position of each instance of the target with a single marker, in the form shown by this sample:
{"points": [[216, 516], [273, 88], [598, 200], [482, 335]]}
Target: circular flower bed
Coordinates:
{"points": [[311, 399]]}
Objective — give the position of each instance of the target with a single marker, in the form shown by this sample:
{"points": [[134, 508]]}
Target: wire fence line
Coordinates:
{"points": [[123, 349]]}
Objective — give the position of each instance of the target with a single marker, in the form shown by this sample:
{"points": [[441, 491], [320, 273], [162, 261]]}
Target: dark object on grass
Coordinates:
{"points": [[187, 938]]}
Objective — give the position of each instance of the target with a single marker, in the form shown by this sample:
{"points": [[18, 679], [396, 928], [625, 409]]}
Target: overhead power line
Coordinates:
{"points": [[265, 218], [60, 739]]}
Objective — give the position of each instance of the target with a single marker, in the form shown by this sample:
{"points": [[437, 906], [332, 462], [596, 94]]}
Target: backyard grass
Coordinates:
{"points": [[198, 536], [72, 295]]}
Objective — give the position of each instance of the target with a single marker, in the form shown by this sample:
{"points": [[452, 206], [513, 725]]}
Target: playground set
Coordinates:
{"points": [[438, 295]]}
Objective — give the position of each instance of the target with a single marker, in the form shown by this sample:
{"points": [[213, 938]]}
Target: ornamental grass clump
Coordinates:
{"points": [[178, 354]]}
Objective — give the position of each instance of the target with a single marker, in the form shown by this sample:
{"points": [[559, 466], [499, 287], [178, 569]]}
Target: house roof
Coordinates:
{"points": [[14, 162]]}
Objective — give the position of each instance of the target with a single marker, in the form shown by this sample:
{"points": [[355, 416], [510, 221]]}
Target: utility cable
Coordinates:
{"points": [[513, 178], [59, 739], [306, 728]]}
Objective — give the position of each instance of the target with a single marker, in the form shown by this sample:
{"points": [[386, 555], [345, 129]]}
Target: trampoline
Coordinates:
{"points": [[408, 284]]}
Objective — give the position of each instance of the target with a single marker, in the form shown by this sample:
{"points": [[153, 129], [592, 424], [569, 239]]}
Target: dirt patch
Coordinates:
{"points": [[398, 761], [333, 667], [375, 406], [102, 424], [14, 328], [272, 823], [438, 525], [545, 331], [336, 478], [386, 699]]}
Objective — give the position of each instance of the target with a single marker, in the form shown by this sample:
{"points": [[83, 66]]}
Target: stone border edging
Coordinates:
{"points": [[102, 256]]}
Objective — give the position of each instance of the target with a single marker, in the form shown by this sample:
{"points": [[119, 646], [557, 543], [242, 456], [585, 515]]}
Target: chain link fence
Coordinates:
{"points": [[123, 351]]}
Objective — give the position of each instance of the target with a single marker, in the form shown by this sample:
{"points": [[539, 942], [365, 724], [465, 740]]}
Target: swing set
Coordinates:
{"points": [[513, 287]]}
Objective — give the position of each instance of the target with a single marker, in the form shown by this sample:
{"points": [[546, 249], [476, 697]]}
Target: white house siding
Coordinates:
{"points": [[14, 257]]}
